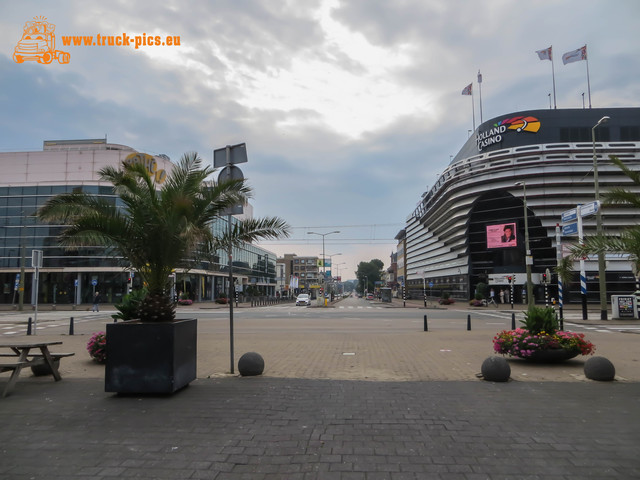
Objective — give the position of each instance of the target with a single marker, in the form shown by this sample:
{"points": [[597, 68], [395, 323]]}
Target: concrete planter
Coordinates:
{"points": [[552, 355], [150, 357]]}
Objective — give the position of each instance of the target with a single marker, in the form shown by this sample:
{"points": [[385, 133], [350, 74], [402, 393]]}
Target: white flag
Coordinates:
{"points": [[545, 54], [575, 55], [467, 90]]}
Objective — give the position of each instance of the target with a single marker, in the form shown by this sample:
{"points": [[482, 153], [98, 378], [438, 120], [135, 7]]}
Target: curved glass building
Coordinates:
{"points": [[470, 226]]}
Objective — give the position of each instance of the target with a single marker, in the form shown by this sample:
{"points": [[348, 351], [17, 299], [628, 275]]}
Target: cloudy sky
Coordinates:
{"points": [[349, 108]]}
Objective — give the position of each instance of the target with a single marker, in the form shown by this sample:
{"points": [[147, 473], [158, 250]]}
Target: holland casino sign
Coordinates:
{"points": [[494, 134], [150, 163]]}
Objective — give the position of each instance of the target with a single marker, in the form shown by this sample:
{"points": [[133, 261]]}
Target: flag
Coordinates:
{"points": [[545, 54], [575, 55], [479, 77], [467, 89]]}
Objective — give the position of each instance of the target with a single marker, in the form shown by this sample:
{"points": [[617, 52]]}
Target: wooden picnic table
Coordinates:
{"points": [[15, 356]]}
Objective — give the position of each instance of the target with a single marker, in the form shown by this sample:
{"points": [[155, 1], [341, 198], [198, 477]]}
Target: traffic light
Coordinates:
{"points": [[510, 278], [544, 278]]}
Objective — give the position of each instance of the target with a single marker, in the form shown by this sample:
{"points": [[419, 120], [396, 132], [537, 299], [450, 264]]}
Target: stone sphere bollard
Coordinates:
{"points": [[599, 368], [496, 369], [250, 364]]}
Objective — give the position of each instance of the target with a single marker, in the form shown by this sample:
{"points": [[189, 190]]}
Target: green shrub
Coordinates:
{"points": [[481, 289], [538, 319], [128, 309]]}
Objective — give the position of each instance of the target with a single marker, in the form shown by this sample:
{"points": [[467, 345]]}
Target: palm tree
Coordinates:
{"points": [[158, 230], [629, 240]]}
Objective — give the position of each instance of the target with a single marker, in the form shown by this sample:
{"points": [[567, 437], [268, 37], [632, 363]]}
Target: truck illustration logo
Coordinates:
{"points": [[38, 43]]}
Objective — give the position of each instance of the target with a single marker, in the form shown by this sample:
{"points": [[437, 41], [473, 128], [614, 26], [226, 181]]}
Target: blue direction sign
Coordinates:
{"points": [[94, 282], [570, 229], [430, 284], [570, 215]]}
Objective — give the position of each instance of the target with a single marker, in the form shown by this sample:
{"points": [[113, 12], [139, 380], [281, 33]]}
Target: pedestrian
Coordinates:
{"points": [[501, 295], [96, 302]]}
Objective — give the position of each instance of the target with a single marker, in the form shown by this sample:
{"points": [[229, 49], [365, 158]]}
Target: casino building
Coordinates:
{"points": [[29, 179], [453, 240]]}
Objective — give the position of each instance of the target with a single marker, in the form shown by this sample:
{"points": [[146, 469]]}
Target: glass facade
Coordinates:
{"points": [[71, 276]]}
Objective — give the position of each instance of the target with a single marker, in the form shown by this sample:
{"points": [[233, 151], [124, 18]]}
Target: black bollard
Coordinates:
{"points": [[468, 322], [513, 321], [426, 327], [71, 326], [29, 326]]}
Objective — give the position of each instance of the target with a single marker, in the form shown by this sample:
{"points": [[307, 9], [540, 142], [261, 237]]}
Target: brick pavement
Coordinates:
{"points": [[262, 428], [421, 413]]}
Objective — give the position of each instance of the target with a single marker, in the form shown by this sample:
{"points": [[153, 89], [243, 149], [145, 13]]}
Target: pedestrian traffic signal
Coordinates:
{"points": [[510, 279], [544, 278]]}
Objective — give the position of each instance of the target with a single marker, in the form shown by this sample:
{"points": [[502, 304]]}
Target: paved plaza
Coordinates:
{"points": [[331, 405]]}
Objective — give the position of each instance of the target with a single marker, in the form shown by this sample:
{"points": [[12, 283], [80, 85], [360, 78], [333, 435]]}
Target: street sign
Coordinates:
{"points": [[430, 284], [570, 229], [36, 259], [570, 215], [94, 282], [589, 208], [237, 154], [231, 172]]}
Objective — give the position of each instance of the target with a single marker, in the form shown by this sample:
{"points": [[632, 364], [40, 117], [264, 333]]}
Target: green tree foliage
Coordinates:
{"points": [[373, 270], [156, 230], [628, 241]]}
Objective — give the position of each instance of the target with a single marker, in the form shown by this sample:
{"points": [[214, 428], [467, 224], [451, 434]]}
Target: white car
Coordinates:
{"points": [[303, 299]]}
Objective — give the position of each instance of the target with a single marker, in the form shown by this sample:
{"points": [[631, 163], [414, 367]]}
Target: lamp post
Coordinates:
{"points": [[601, 259], [528, 259], [323, 266], [365, 286]]}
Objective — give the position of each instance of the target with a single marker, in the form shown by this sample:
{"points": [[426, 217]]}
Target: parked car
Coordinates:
{"points": [[303, 299], [369, 296]]}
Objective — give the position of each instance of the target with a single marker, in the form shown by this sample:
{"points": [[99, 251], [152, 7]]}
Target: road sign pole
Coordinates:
{"points": [[583, 275]]}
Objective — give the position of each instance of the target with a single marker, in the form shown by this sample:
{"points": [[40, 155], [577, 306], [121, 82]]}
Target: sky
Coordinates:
{"points": [[349, 109]]}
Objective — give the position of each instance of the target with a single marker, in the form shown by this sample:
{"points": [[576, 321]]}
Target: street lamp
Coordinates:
{"points": [[528, 259], [601, 259], [323, 235]]}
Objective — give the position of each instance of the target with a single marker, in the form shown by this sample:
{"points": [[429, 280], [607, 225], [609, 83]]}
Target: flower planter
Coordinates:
{"points": [[150, 357], [553, 355]]}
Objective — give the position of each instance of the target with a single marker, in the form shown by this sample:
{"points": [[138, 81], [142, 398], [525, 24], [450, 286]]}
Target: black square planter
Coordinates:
{"points": [[150, 357]]}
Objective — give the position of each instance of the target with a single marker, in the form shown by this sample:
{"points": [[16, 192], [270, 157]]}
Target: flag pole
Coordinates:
{"points": [[480, 90], [586, 57], [553, 76], [473, 112]]}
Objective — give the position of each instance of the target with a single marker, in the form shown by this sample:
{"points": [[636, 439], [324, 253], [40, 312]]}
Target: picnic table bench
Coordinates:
{"points": [[17, 356]]}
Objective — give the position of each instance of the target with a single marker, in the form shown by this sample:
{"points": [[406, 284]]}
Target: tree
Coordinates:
{"points": [[372, 270], [629, 240], [156, 230]]}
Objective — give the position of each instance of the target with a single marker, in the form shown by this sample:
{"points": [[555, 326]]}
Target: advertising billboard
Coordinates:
{"points": [[501, 235]]}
